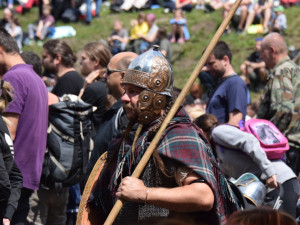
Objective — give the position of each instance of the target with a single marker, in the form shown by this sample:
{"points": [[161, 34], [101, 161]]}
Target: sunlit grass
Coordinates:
{"points": [[202, 27]]}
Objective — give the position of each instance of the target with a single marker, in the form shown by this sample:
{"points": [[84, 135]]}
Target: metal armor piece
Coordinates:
{"points": [[152, 72], [252, 188], [144, 213]]}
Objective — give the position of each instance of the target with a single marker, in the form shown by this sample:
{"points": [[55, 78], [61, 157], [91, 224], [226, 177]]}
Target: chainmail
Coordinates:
{"points": [[152, 177]]}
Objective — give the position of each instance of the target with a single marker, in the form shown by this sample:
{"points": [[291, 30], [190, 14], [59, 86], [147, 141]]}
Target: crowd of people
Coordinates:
{"points": [[251, 17], [131, 83]]}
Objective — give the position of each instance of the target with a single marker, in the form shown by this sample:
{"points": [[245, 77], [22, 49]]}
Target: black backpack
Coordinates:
{"points": [[68, 143]]}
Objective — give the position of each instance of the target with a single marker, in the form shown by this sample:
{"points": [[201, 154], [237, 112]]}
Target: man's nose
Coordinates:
{"points": [[125, 97]]}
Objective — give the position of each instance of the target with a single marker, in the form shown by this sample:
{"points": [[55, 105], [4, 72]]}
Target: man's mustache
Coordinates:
{"points": [[128, 106]]}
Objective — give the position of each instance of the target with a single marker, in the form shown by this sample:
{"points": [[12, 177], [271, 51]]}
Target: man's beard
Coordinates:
{"points": [[131, 113], [50, 70], [217, 74], [3, 69]]}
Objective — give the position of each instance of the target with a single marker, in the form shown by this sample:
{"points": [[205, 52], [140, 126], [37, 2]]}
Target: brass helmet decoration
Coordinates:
{"points": [[152, 72]]}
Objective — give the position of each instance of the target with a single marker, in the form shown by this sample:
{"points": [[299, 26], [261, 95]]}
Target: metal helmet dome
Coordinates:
{"points": [[152, 72], [252, 188]]}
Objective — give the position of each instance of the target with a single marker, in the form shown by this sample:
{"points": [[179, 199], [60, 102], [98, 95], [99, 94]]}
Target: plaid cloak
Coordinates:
{"points": [[184, 142]]}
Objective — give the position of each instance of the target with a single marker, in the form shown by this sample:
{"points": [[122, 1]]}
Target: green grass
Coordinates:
{"points": [[202, 27]]}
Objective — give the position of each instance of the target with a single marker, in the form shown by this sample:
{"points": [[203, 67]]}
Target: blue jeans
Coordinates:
{"points": [[89, 9], [144, 46], [9, 2]]}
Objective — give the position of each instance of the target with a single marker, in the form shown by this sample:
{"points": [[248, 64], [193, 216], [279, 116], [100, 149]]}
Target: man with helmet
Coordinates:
{"points": [[181, 178]]}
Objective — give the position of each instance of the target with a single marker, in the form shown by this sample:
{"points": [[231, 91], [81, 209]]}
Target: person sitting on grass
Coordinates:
{"points": [[279, 22], [12, 26], [43, 28], [139, 27], [118, 38], [179, 28]]}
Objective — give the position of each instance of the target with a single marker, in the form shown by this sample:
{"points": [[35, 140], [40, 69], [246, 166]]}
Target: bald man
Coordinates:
{"points": [[114, 120], [281, 97], [114, 78]]}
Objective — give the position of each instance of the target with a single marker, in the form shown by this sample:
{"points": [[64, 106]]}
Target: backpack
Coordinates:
{"points": [[272, 141], [68, 142]]}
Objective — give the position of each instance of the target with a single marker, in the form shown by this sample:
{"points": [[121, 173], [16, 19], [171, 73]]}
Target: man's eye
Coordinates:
{"points": [[133, 92]]}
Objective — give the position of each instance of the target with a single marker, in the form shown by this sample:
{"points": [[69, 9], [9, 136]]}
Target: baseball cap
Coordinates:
{"points": [[279, 8]]}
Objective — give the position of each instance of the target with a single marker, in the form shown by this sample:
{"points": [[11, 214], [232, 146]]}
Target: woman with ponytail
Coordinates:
{"points": [[11, 180]]}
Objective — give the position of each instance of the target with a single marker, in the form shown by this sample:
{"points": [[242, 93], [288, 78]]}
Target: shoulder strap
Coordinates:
{"points": [[51, 127]]}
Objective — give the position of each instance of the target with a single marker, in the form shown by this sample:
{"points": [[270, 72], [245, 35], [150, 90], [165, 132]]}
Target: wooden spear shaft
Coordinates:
{"points": [[144, 160]]}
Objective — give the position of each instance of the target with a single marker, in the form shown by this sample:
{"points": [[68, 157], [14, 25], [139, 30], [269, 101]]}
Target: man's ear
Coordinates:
{"points": [[122, 74], [2, 53], [96, 63], [57, 59], [226, 58], [1, 50], [272, 49]]}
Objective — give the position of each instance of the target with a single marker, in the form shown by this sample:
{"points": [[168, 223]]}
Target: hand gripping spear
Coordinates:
{"points": [[141, 165]]}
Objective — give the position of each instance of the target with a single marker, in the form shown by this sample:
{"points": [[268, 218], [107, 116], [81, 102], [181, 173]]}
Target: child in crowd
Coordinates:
{"points": [[44, 26], [179, 28], [118, 38], [139, 28], [193, 104], [12, 26], [251, 110], [279, 22], [200, 5], [164, 43]]}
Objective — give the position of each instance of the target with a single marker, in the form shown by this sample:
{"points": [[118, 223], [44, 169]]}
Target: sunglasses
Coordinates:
{"points": [[110, 71]]}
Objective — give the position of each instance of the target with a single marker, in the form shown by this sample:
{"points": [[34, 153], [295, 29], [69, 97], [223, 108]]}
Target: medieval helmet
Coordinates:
{"points": [[152, 72], [252, 188]]}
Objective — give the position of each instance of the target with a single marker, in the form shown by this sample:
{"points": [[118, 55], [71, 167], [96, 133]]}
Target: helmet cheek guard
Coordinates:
{"points": [[152, 72], [150, 105]]}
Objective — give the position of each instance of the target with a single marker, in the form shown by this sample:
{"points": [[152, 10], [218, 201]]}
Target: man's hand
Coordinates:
{"points": [[6, 221], [115, 37], [132, 189], [272, 182]]}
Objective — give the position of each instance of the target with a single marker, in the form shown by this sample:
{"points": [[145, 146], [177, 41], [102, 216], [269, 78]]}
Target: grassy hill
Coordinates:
{"points": [[202, 27]]}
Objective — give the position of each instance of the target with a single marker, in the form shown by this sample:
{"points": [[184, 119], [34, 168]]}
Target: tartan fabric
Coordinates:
{"points": [[182, 141]]}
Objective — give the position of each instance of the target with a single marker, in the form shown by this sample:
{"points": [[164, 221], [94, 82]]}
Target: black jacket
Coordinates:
{"points": [[11, 180], [114, 122]]}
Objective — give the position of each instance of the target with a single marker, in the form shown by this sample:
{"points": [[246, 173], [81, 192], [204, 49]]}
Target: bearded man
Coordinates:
{"points": [[181, 179], [228, 98]]}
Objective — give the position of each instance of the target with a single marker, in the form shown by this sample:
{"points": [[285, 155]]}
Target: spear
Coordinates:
{"points": [[148, 153]]}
